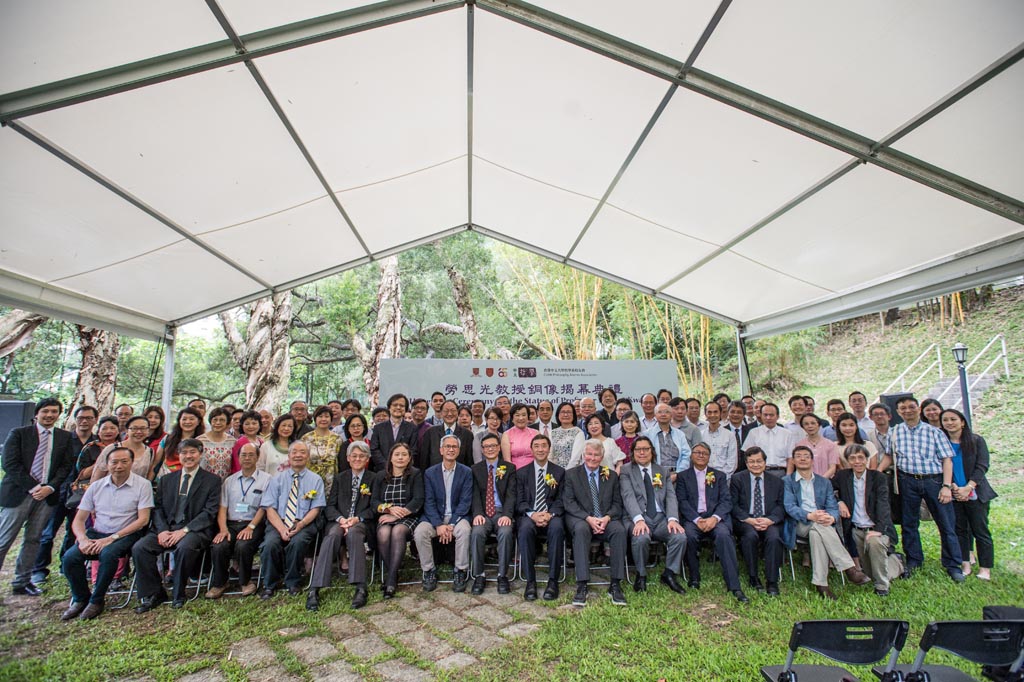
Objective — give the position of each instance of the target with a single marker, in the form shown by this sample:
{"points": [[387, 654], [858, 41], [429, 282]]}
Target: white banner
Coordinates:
{"points": [[526, 381]]}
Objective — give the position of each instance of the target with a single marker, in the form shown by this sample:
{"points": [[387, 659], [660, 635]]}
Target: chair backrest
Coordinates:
{"points": [[855, 642], [987, 642]]}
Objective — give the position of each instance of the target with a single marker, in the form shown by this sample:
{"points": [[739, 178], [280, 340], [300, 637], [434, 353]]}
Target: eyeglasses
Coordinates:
{"points": [[490, 446], [138, 428], [642, 449]]}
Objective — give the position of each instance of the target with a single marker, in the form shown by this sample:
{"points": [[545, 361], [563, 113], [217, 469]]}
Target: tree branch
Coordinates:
{"points": [[235, 342], [519, 328], [306, 360], [207, 398]]}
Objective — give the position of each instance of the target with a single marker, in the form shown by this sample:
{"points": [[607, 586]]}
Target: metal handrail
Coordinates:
{"points": [[900, 379], [970, 386]]}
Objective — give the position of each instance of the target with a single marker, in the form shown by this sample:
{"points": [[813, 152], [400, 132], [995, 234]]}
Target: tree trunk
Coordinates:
{"points": [[16, 329], [464, 304], [387, 330], [98, 376], [263, 353]]}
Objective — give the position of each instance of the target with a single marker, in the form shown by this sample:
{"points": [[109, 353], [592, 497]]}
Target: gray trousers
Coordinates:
{"points": [[875, 559], [33, 515], [506, 541], [424, 535], [330, 550], [826, 546], [675, 545]]}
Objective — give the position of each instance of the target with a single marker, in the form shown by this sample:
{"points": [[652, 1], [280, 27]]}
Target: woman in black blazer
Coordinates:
{"points": [[397, 500], [971, 491]]}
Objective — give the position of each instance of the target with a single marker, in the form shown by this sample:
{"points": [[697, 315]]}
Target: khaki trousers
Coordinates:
{"points": [[826, 546], [875, 559], [424, 535]]}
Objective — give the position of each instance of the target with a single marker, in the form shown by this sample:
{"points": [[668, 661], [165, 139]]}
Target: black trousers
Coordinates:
{"points": [[972, 524], [330, 549], [614, 534], [553, 534], [751, 543], [721, 535], [283, 560], [187, 555], [221, 553]]}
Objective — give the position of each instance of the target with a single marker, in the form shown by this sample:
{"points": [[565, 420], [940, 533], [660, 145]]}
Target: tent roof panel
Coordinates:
{"points": [[869, 66], [249, 16]]}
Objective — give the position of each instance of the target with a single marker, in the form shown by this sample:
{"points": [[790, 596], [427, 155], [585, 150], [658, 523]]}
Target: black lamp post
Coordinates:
{"points": [[960, 355]]}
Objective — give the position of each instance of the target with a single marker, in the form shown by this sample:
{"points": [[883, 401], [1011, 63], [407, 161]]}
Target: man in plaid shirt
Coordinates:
{"points": [[924, 468]]}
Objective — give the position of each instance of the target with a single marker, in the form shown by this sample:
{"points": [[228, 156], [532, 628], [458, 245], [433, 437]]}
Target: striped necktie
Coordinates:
{"points": [[291, 513], [540, 498], [595, 499], [39, 461]]}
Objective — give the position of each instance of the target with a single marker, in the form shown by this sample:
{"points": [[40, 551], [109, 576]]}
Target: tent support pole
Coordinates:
{"points": [[165, 396], [741, 360]]}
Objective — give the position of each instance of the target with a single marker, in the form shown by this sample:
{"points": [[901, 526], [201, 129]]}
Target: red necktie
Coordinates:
{"points": [[489, 505]]}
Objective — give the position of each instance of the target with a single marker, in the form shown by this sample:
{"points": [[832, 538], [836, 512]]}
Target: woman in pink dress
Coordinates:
{"points": [[826, 452], [630, 430], [515, 442]]}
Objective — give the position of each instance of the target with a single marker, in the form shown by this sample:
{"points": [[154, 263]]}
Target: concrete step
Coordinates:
{"points": [[952, 397]]}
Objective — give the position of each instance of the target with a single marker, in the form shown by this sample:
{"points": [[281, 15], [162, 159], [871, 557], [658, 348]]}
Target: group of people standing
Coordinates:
{"points": [[603, 481]]}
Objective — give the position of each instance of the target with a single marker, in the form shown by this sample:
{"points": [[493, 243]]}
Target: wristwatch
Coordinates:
{"points": [[115, 537], [947, 486], [251, 527]]}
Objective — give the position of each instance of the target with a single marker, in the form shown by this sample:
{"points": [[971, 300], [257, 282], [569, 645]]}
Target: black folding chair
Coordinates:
{"points": [[985, 642], [854, 642]]}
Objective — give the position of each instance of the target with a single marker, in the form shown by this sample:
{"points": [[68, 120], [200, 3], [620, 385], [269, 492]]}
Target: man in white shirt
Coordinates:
{"points": [[776, 441], [859, 406], [647, 405], [724, 451]]}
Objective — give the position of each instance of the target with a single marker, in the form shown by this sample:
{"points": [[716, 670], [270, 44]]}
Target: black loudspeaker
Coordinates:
{"points": [[14, 413], [890, 400]]}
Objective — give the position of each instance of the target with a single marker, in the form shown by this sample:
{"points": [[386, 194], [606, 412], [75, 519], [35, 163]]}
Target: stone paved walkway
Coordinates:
{"points": [[410, 639]]}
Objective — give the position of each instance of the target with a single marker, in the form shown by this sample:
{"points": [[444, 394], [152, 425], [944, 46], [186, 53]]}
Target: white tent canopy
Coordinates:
{"points": [[774, 165]]}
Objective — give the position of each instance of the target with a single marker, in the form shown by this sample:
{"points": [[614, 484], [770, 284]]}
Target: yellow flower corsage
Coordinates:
{"points": [[709, 478], [364, 489], [605, 473], [501, 472], [656, 482], [550, 481], [310, 495], [381, 508]]}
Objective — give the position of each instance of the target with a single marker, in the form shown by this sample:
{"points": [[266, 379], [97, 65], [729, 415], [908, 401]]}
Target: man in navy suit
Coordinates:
{"points": [[448, 487], [430, 445], [706, 507], [494, 506], [757, 513], [539, 504], [36, 460], [394, 430]]}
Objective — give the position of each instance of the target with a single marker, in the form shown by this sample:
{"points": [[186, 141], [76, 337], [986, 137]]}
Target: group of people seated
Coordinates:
{"points": [[606, 483]]}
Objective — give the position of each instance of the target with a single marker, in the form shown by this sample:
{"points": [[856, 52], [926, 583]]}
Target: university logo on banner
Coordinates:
{"points": [[489, 371]]}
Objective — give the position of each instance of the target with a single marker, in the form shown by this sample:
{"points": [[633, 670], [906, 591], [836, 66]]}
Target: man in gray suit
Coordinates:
{"points": [[651, 512]]}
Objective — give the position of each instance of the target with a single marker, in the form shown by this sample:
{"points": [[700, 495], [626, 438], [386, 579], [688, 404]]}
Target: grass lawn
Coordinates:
{"points": [[703, 635]]}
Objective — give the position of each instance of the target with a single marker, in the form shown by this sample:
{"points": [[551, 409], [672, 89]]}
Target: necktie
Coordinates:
{"points": [[736, 432], [355, 496], [540, 498], [595, 499], [489, 504], [179, 513], [758, 498], [291, 512], [40, 459], [545, 429], [448, 432], [652, 508]]}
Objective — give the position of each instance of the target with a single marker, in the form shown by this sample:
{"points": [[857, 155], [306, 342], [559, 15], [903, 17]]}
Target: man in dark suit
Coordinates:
{"points": [[395, 430], [651, 513], [758, 511], [448, 492], [184, 520], [430, 453], [864, 510], [736, 424], [36, 460], [494, 506], [539, 505], [349, 519], [593, 505], [706, 508]]}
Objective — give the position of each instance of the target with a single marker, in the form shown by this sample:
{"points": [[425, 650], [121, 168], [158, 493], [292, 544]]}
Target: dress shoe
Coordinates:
{"points": [[693, 584], [359, 598], [530, 593], [389, 591], [755, 583], [669, 580], [461, 578], [551, 591], [773, 589], [215, 593], [856, 576], [615, 592], [178, 604], [313, 599], [908, 571], [826, 593], [294, 591], [580, 598], [76, 608], [117, 585], [641, 584], [147, 604], [740, 597], [881, 593], [955, 574], [503, 585], [27, 590], [91, 611], [267, 593], [430, 580], [478, 584], [249, 590]]}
